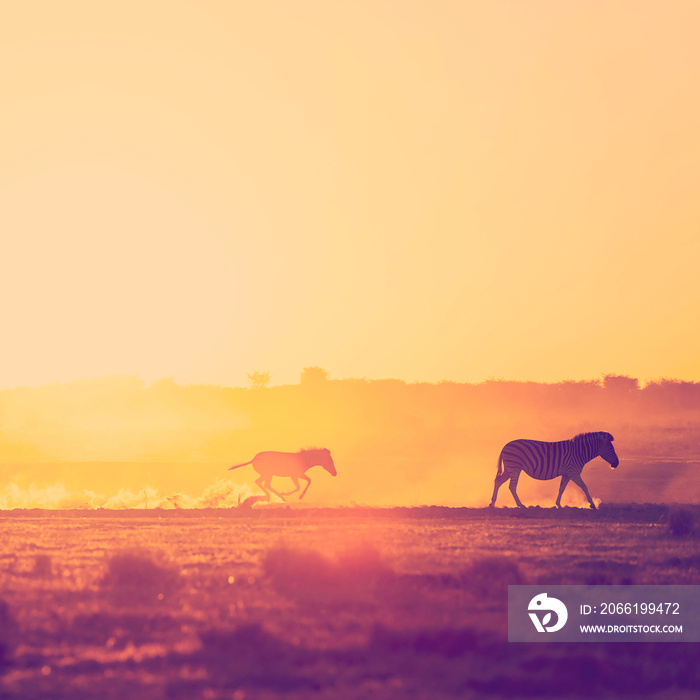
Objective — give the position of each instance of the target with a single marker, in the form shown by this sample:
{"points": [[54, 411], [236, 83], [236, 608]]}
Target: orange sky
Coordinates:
{"points": [[445, 190]]}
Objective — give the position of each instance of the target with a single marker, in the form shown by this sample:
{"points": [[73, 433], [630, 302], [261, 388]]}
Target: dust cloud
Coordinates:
{"points": [[120, 443]]}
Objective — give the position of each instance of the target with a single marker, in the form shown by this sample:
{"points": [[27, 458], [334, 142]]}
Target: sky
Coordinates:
{"points": [[447, 190]]}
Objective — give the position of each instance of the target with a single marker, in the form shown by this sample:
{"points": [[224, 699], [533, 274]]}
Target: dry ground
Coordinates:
{"points": [[326, 603]]}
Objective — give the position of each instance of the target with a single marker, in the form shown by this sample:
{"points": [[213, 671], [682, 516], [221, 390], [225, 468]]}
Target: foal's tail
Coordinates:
{"points": [[500, 465], [240, 465]]}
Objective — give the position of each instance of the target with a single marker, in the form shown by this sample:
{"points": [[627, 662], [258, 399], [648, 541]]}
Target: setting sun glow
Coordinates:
{"points": [[459, 191]]}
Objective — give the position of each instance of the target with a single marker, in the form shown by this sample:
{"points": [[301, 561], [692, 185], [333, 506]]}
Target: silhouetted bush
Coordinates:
{"points": [[681, 522], [8, 635], [489, 577], [43, 567], [249, 656], [138, 573], [307, 574]]}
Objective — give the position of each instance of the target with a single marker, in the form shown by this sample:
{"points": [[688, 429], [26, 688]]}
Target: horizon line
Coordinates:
{"points": [[642, 382]]}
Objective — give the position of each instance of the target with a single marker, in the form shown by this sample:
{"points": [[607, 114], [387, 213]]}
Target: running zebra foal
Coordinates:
{"points": [[548, 460], [289, 464]]}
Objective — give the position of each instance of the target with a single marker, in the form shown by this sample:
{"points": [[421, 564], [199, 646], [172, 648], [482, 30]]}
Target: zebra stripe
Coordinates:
{"points": [[548, 460]]}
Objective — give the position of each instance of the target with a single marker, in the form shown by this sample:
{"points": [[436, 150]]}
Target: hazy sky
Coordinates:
{"points": [[423, 190]]}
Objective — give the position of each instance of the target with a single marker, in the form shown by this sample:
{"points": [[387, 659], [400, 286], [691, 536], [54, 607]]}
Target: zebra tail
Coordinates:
{"points": [[500, 465], [240, 465]]}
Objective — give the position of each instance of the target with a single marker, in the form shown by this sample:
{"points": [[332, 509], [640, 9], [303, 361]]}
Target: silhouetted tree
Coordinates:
{"points": [[313, 376], [620, 383], [259, 380]]}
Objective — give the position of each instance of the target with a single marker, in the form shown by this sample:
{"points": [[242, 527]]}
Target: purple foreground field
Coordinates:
{"points": [[327, 603]]}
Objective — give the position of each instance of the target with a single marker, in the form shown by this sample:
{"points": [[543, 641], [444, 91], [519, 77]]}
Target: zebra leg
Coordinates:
{"points": [[296, 483], [564, 481], [260, 481], [512, 487], [303, 476], [579, 482], [497, 483], [277, 493]]}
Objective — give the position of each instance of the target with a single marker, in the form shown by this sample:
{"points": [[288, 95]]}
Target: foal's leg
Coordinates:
{"points": [[303, 476], [269, 487], [296, 483], [260, 481]]}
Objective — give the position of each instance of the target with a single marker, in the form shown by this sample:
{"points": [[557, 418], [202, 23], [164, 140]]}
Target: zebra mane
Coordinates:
{"points": [[310, 454], [600, 435]]}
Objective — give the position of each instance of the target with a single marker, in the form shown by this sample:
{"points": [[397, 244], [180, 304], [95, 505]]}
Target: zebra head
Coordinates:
{"points": [[321, 457], [607, 451], [326, 461]]}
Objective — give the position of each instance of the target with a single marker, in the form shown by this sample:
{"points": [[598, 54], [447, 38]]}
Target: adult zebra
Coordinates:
{"points": [[547, 460]]}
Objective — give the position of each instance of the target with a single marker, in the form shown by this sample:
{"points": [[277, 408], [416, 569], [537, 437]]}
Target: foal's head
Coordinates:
{"points": [[326, 461], [321, 457]]}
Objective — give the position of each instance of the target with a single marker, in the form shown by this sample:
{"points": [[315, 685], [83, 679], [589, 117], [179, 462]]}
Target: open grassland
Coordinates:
{"points": [[327, 603]]}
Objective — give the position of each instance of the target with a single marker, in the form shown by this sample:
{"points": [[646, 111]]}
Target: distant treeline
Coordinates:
{"points": [[386, 435]]}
